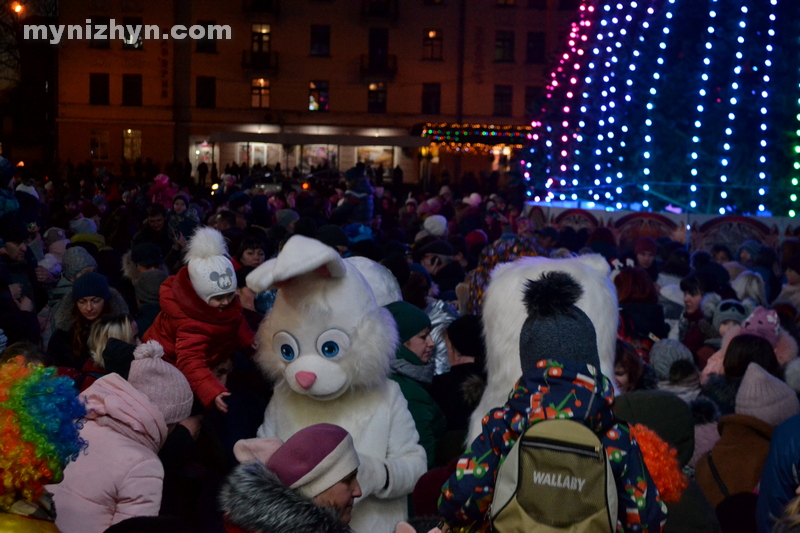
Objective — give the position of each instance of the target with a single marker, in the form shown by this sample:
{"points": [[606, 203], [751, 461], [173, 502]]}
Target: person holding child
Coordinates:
{"points": [[201, 322]]}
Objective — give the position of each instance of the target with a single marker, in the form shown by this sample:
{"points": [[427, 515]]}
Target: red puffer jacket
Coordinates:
{"points": [[195, 336]]}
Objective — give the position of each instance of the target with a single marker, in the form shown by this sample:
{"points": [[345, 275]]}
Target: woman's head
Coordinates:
{"points": [[251, 252], [120, 327], [414, 329], [35, 453], [634, 286], [90, 292], [628, 367], [746, 349], [693, 291]]}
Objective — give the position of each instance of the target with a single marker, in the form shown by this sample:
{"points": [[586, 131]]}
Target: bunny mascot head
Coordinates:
{"points": [[326, 333]]}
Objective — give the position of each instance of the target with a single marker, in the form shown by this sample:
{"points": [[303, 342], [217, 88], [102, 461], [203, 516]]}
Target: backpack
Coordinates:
{"points": [[556, 478]]}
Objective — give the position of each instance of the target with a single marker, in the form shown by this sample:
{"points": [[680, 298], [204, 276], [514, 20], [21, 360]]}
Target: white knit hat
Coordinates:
{"points": [[435, 225], [210, 269], [765, 397]]}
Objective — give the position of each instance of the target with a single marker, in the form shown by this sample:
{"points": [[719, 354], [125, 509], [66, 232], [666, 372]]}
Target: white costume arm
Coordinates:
{"points": [[268, 429], [405, 460]]}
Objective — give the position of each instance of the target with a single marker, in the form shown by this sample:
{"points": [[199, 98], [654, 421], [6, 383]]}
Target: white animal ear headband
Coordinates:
{"points": [[300, 255]]}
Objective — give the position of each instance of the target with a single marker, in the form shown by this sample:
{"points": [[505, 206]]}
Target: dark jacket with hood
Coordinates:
{"points": [[254, 500], [563, 389], [413, 377]]}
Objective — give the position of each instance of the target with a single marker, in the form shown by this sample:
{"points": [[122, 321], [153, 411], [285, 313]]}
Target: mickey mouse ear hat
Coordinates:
{"points": [[210, 269]]}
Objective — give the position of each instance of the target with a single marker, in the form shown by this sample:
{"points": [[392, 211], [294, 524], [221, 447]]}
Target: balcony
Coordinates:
{"points": [[379, 9], [260, 64], [378, 69], [269, 7]]}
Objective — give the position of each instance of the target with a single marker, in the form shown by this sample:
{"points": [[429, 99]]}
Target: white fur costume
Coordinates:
{"points": [[504, 314], [328, 346]]}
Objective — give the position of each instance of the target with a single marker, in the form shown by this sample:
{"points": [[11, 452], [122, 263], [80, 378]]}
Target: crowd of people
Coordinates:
{"points": [[130, 393]]}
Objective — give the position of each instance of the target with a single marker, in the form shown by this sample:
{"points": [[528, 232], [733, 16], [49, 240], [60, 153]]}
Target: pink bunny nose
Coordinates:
{"points": [[305, 379]]}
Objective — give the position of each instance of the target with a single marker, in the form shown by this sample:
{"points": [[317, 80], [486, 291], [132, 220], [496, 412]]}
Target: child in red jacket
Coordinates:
{"points": [[201, 322]]}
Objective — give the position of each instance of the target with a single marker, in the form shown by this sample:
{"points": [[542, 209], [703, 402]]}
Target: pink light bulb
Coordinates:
{"points": [[564, 138], [573, 81], [566, 109], [563, 167], [565, 124]]}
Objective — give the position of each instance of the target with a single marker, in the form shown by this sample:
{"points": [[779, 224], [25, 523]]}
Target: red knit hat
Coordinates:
{"points": [[314, 459]]}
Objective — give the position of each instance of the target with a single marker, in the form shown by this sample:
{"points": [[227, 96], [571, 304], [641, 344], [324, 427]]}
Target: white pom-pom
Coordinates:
{"points": [[205, 243], [149, 350]]}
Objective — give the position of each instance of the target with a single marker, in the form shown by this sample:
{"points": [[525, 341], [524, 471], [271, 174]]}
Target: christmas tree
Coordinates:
{"points": [[692, 103]]}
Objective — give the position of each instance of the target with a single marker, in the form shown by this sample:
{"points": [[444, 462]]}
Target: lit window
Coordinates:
{"points": [[259, 93], [432, 45], [318, 95]]}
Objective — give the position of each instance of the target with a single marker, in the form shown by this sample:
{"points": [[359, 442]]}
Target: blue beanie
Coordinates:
{"points": [[91, 284]]}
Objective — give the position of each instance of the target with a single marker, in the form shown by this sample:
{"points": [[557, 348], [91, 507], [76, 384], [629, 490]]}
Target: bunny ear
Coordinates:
{"points": [[299, 256]]}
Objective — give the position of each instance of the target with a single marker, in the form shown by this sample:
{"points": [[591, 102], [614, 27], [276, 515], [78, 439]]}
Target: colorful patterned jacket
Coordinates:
{"points": [[553, 389]]}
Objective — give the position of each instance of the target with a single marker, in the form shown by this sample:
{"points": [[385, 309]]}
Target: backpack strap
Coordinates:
{"points": [[717, 477]]}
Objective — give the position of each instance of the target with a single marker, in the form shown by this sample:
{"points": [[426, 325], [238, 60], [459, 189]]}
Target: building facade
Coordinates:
{"points": [[306, 83]]}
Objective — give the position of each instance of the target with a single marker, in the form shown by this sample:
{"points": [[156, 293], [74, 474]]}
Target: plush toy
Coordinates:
{"points": [[328, 345], [504, 314]]}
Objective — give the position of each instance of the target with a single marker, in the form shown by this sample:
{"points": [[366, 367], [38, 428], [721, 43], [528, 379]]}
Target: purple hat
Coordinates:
{"points": [[314, 459]]}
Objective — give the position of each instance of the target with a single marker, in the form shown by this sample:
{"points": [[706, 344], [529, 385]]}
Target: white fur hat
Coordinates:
{"points": [[210, 269]]}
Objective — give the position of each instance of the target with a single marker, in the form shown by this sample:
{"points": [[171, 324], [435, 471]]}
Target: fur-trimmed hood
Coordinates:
{"points": [[254, 500], [63, 314]]}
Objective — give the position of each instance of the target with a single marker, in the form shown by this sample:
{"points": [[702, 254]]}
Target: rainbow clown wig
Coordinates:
{"points": [[40, 416]]}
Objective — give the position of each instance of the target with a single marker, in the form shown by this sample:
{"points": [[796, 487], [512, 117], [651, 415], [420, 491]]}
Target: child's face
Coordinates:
{"points": [[725, 326], [222, 301], [792, 277], [179, 207]]}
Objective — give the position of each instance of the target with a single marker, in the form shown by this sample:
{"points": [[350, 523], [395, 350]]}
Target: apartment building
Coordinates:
{"points": [[303, 82]]}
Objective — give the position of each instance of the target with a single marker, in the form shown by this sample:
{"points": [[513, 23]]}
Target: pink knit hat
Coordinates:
{"points": [[163, 384], [765, 397], [314, 459], [764, 324]]}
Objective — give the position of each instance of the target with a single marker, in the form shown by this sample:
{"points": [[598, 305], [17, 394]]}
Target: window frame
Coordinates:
{"points": [[260, 91], [96, 98], [129, 94], [428, 97], [375, 103], [432, 47], [507, 109], [505, 42], [212, 86], [314, 87], [324, 48]]}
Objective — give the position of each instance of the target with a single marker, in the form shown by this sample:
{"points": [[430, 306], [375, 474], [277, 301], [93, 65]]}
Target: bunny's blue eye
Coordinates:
{"points": [[333, 343], [330, 349], [287, 352]]}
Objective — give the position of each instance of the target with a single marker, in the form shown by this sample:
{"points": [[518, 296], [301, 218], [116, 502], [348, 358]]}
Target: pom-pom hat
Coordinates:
{"points": [[164, 385], [210, 270], [556, 328]]}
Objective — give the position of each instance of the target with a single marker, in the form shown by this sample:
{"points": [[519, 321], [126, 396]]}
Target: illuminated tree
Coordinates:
{"points": [[688, 102]]}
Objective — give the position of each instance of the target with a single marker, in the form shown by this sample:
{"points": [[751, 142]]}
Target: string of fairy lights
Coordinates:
{"points": [[586, 139]]}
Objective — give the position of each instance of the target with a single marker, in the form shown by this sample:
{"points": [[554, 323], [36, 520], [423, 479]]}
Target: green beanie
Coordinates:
{"points": [[410, 319]]}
